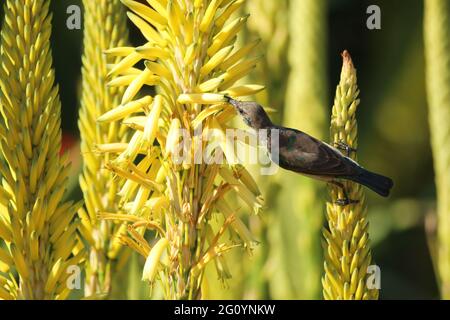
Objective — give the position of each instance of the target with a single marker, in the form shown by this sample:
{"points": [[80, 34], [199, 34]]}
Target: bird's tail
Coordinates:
{"points": [[378, 183]]}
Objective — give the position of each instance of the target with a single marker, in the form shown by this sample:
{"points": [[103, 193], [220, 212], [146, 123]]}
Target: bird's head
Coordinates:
{"points": [[252, 113]]}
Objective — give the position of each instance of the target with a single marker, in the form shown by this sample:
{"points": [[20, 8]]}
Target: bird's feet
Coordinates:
{"points": [[345, 202], [342, 146]]}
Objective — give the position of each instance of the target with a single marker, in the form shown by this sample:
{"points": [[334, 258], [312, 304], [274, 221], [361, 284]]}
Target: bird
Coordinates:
{"points": [[306, 155]]}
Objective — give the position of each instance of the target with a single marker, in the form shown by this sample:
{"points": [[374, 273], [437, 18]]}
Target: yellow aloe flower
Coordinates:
{"points": [[437, 48], [105, 26], [346, 244], [36, 227], [192, 59]]}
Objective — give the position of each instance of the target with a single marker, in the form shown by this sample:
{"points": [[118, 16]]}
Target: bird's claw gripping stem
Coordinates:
{"points": [[345, 202], [342, 146]]}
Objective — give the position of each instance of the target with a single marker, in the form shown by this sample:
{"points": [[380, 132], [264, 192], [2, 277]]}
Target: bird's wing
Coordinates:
{"points": [[302, 153]]}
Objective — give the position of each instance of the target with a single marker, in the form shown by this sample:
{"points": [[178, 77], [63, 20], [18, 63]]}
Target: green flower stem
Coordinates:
{"points": [[437, 54]]}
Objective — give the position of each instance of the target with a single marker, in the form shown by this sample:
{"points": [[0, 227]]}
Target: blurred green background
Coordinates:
{"points": [[393, 128]]}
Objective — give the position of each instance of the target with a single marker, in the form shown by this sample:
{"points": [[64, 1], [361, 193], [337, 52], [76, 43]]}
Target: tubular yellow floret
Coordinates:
{"points": [[146, 12], [125, 110], [215, 61], [151, 127], [209, 15], [151, 264], [201, 98], [245, 90]]}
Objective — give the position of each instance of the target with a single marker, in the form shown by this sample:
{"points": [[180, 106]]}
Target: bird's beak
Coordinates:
{"points": [[236, 104], [233, 102]]}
